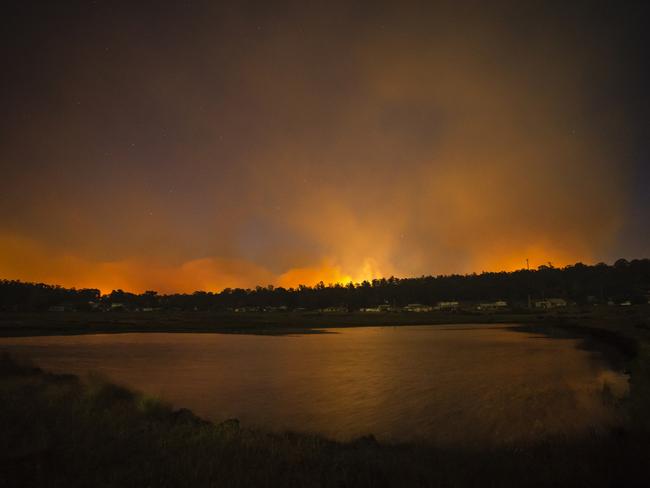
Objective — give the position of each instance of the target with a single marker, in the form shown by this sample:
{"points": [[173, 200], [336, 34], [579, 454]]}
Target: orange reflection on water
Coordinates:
{"points": [[449, 385]]}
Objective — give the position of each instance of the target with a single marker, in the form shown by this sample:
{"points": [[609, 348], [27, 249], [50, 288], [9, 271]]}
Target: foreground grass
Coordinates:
{"points": [[60, 431]]}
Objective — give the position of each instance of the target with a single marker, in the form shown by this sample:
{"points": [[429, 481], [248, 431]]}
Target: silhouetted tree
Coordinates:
{"points": [[625, 280]]}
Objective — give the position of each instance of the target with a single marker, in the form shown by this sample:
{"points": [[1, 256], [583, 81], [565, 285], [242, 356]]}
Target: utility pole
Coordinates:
{"points": [[528, 269]]}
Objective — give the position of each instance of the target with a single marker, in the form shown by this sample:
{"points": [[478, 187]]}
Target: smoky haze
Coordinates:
{"points": [[206, 148]]}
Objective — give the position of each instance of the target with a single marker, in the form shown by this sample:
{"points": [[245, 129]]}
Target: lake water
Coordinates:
{"points": [[469, 385]]}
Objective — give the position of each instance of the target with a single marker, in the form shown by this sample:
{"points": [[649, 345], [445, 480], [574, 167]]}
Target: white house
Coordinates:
{"points": [[417, 307], [371, 310], [498, 305], [447, 306]]}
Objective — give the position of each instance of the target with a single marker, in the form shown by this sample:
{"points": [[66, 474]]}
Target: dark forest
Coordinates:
{"points": [[623, 282]]}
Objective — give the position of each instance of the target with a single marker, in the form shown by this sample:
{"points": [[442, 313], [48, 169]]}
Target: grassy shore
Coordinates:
{"points": [[58, 430], [276, 323], [632, 322]]}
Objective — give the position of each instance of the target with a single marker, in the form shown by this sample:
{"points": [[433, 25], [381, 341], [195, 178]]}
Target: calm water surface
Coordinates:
{"points": [[443, 384]]}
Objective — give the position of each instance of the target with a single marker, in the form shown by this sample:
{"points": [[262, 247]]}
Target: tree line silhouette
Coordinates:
{"points": [[624, 281]]}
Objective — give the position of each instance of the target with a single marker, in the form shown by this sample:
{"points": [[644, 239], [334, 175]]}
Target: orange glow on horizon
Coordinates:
{"points": [[211, 274]]}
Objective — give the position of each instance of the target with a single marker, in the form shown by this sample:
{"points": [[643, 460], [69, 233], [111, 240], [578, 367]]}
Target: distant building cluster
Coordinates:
{"points": [[450, 306]]}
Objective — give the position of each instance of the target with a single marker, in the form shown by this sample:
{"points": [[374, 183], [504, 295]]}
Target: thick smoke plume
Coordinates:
{"points": [[222, 149]]}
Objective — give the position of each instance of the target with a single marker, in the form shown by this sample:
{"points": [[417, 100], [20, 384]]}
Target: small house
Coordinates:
{"points": [[417, 307], [491, 306]]}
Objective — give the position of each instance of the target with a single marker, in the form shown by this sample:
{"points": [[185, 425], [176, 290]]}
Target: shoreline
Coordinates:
{"points": [[619, 334], [632, 321], [76, 420]]}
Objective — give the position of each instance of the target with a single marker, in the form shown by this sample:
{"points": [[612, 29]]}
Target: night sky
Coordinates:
{"points": [[189, 145]]}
